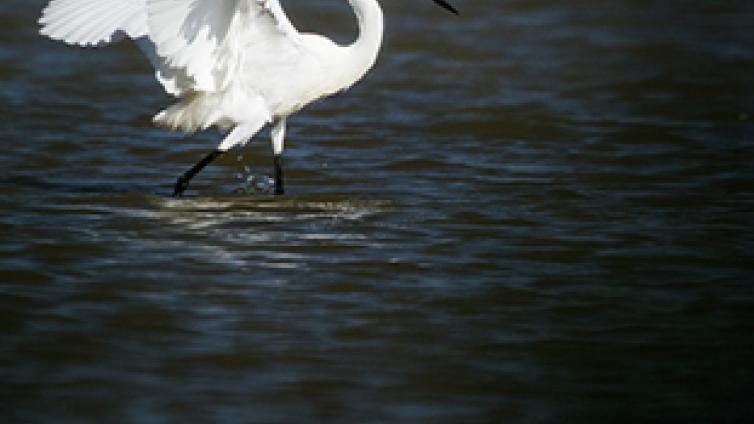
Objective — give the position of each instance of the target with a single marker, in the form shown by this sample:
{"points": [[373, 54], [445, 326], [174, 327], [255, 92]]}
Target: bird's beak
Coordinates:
{"points": [[446, 5]]}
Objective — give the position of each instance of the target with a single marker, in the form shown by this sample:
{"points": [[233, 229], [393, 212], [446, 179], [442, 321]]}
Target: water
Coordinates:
{"points": [[538, 211]]}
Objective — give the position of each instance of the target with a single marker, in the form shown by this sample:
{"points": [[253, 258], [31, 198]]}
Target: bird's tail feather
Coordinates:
{"points": [[199, 111], [194, 112]]}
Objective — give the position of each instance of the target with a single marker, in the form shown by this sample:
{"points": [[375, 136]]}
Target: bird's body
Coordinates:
{"points": [[234, 64]]}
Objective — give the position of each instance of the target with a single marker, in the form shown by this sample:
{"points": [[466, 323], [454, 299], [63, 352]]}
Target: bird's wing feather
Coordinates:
{"points": [[88, 22], [194, 45], [209, 39]]}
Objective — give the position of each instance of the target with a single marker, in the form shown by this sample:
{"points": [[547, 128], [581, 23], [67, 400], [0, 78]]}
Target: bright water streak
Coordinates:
{"points": [[537, 211]]}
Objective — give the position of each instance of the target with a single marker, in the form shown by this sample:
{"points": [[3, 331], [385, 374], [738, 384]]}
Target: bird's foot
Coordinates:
{"points": [[279, 179], [180, 186]]}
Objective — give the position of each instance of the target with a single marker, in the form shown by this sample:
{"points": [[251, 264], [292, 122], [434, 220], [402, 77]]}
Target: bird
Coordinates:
{"points": [[237, 65]]}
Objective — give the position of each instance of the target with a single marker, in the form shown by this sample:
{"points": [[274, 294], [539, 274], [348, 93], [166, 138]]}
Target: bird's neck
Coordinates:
{"points": [[364, 50]]}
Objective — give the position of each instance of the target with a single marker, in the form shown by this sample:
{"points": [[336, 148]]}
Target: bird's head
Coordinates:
{"points": [[445, 5]]}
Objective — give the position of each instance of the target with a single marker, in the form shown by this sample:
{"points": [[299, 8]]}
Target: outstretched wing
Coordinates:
{"points": [[211, 39], [96, 22], [194, 45], [89, 23]]}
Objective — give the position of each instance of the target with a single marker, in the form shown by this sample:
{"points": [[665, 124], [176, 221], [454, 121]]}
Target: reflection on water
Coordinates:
{"points": [[275, 226], [535, 212], [228, 210]]}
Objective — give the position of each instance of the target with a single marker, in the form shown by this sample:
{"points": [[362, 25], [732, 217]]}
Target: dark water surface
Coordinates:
{"points": [[538, 211]]}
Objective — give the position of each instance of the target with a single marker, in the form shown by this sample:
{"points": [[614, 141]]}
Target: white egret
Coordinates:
{"points": [[235, 64]]}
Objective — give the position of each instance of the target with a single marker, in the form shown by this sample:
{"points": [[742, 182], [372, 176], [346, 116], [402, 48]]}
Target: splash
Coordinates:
{"points": [[249, 183]]}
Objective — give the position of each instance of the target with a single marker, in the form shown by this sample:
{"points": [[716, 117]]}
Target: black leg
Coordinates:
{"points": [[279, 175], [183, 180]]}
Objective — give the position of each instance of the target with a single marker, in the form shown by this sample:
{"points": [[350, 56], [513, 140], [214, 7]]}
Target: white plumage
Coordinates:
{"points": [[234, 64]]}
